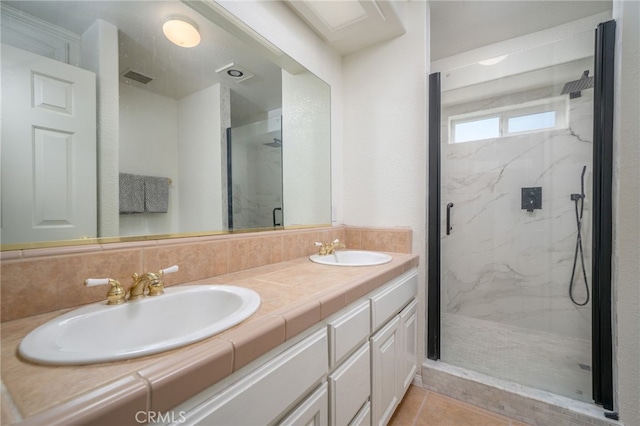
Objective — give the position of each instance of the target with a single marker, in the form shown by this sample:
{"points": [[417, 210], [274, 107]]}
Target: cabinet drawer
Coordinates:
{"points": [[350, 387], [348, 331], [313, 411], [388, 302], [363, 418], [269, 390]]}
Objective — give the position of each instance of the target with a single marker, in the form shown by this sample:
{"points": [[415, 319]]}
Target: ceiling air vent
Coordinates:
{"points": [[136, 76]]}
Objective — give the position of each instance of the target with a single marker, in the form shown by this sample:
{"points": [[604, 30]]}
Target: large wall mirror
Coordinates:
{"points": [[113, 132]]}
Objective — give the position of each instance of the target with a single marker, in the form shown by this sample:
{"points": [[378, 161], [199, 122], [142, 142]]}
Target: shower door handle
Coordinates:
{"points": [[449, 228], [274, 216]]}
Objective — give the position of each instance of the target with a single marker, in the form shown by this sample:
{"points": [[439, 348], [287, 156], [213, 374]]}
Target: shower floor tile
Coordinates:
{"points": [[546, 361]]}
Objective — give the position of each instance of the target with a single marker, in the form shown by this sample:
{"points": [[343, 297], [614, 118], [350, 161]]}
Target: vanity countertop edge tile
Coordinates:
{"points": [[38, 389]]}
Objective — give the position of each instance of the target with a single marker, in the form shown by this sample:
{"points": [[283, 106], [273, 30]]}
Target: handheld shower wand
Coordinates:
{"points": [[579, 198]]}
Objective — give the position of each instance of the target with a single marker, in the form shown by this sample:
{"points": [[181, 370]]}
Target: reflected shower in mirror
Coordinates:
{"points": [[254, 158]]}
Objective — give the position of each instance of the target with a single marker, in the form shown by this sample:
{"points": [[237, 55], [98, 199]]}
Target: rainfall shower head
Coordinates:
{"points": [[575, 87], [277, 143]]}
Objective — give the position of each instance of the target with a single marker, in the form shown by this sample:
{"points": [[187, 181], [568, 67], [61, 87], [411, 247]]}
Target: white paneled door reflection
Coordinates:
{"points": [[48, 149]]}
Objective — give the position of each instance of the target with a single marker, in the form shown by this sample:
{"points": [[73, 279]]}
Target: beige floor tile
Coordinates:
{"points": [[426, 408], [440, 410], [409, 407]]}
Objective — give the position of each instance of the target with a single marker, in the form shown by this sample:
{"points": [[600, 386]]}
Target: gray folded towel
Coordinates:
{"points": [[156, 194], [131, 193]]}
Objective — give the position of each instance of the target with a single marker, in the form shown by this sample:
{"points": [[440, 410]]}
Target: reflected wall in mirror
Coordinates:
{"points": [[114, 131]]}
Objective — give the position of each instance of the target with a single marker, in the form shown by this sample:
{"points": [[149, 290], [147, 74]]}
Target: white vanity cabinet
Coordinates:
{"points": [[349, 363], [393, 346], [260, 397], [409, 326], [350, 387], [351, 369], [385, 379]]}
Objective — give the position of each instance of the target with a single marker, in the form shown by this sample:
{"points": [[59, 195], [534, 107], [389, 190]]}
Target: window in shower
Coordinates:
{"points": [[531, 122], [534, 116], [485, 128]]}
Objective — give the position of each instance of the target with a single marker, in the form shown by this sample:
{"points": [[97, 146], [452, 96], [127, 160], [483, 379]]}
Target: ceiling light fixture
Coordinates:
{"points": [[181, 32]]}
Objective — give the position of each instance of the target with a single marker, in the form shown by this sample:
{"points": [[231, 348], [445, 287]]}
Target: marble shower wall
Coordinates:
{"points": [[502, 263]]}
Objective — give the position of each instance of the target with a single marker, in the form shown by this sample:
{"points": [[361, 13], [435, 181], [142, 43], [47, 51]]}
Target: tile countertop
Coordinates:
{"points": [[295, 295]]}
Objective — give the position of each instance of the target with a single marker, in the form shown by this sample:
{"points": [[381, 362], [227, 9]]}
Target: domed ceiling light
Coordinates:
{"points": [[181, 32]]}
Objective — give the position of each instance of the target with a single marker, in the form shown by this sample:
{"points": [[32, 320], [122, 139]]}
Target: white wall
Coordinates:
{"points": [[200, 122], [306, 135], [626, 251], [149, 147], [99, 48], [385, 128]]}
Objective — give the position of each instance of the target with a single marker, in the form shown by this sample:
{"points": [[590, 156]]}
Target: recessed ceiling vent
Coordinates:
{"points": [[136, 76]]}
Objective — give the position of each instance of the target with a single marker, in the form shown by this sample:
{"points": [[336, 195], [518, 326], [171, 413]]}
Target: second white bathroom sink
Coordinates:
{"points": [[351, 258]]}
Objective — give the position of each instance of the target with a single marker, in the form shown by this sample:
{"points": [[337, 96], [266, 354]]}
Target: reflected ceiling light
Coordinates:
{"points": [[181, 32], [493, 61]]}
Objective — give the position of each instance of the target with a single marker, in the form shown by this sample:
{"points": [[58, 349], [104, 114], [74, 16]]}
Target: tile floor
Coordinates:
{"points": [[421, 407]]}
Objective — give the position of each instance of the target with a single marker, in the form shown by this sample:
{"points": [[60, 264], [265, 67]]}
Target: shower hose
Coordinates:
{"points": [[579, 198]]}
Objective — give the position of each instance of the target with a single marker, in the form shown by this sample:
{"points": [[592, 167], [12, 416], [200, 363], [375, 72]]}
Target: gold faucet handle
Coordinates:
{"points": [[169, 270], [322, 248], [115, 295], [337, 244], [156, 286]]}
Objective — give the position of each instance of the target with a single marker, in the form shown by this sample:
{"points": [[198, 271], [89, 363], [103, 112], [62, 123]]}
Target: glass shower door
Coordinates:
{"points": [[254, 163], [516, 170]]}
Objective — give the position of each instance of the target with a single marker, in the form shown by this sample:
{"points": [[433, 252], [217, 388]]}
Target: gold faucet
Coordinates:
{"points": [[151, 281], [141, 283], [329, 248]]}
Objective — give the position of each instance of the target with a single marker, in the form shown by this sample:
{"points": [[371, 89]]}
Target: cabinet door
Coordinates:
{"points": [[409, 325], [350, 386], [386, 350], [313, 411]]}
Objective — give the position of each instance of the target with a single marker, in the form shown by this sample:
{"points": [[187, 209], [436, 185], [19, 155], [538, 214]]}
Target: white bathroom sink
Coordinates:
{"points": [[101, 332], [352, 258]]}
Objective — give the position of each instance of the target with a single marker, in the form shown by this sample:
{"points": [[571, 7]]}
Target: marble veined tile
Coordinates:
{"points": [[502, 263]]}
